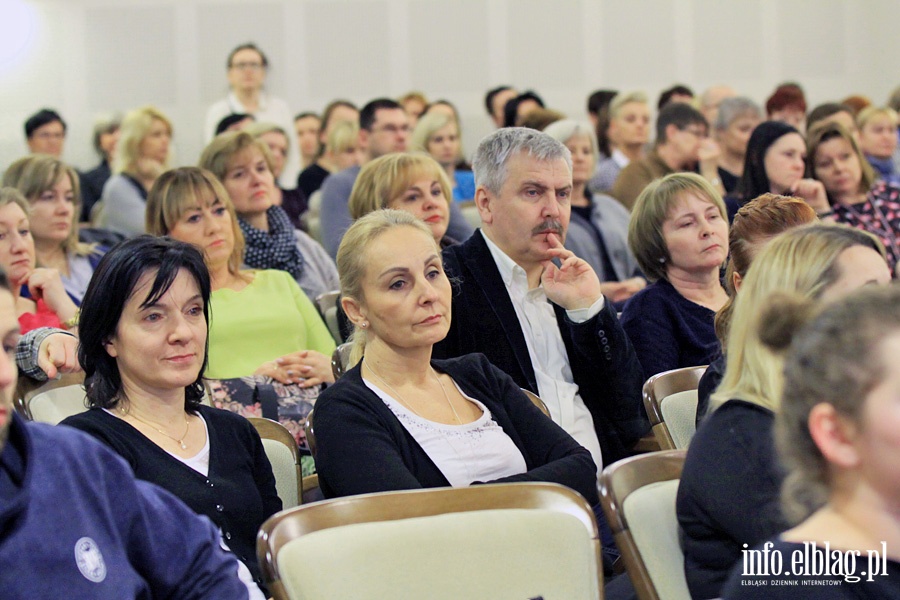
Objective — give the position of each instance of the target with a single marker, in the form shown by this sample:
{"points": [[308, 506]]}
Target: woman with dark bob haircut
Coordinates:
{"points": [[143, 328]]}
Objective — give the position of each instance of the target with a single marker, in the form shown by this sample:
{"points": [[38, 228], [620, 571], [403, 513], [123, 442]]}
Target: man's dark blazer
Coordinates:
{"points": [[603, 362]]}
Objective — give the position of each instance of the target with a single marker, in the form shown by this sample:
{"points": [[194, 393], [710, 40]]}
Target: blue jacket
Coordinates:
{"points": [[75, 523]]}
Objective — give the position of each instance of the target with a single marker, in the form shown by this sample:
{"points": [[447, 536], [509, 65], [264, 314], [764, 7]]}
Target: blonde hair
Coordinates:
{"points": [[351, 260], [652, 208], [871, 112], [179, 190], [135, 127], [427, 126], [219, 152], [257, 129], [802, 261], [10, 195], [342, 137], [623, 98], [35, 174], [387, 177]]}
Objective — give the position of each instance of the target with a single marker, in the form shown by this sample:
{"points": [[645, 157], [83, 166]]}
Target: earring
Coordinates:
{"points": [[661, 259], [364, 324]]}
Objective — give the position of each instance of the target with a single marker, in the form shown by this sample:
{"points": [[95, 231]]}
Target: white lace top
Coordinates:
{"points": [[476, 451]]}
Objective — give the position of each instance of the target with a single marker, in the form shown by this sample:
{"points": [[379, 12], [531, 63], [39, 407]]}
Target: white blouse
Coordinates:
{"points": [[476, 451]]}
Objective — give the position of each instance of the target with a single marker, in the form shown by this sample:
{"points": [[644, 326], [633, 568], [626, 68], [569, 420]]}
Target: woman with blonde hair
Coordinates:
{"points": [[857, 198], [400, 420], [679, 235], [52, 190], [142, 155], [288, 340], [836, 433], [243, 165], [413, 183], [337, 150], [49, 305], [438, 134], [878, 140], [728, 496], [294, 202]]}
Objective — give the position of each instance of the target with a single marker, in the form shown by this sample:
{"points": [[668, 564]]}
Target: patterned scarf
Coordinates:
{"points": [[273, 249]]}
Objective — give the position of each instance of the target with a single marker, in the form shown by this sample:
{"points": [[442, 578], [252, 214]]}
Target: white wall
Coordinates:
{"points": [[83, 57]]}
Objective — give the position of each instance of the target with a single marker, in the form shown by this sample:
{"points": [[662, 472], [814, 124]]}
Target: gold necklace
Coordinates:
{"points": [[187, 427], [407, 404]]}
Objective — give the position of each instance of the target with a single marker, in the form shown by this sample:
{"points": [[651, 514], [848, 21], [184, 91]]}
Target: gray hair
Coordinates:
{"points": [[732, 108], [563, 131], [104, 124], [494, 151], [623, 98]]}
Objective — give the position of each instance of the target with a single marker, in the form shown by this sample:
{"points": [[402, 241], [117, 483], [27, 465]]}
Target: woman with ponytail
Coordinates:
{"points": [[728, 497]]}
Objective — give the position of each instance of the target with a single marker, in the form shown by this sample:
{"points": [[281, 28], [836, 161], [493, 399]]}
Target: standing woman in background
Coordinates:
{"points": [[247, 68], [143, 155], [51, 188]]}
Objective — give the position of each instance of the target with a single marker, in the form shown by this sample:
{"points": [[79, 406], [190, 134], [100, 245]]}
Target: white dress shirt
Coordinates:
{"points": [[549, 359]]}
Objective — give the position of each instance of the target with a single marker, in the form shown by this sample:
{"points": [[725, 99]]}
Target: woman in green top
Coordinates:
{"points": [[262, 323]]}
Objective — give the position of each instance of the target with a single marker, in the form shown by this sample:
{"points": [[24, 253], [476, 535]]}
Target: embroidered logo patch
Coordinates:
{"points": [[90, 560]]}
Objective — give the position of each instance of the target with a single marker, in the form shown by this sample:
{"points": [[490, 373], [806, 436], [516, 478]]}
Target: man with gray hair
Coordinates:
{"points": [[534, 308]]}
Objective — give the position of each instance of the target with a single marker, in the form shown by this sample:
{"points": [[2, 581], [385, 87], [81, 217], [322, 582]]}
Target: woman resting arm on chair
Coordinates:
{"points": [[143, 350], [399, 420]]}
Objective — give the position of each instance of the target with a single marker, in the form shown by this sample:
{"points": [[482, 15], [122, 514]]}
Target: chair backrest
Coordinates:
{"points": [[638, 497], [679, 419], [340, 359], [520, 540], [51, 401], [281, 449], [327, 305]]}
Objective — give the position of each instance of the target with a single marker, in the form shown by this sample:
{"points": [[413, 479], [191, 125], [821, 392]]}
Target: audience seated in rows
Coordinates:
{"points": [[857, 199], [681, 145], [289, 341], [293, 201], [736, 119], [50, 304], [143, 336], [776, 164], [438, 135], [247, 67], [495, 103], [835, 433], [627, 133], [244, 166], [77, 521], [598, 114], [337, 150], [383, 128], [878, 140], [711, 99], [788, 105], [105, 140], [306, 127], [413, 183], [731, 502], [399, 420], [142, 155], [45, 133], [52, 190], [754, 226], [598, 225], [547, 327], [679, 235]]}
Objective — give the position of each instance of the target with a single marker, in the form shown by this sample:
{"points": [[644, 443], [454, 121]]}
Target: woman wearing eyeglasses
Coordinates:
{"points": [[247, 69]]}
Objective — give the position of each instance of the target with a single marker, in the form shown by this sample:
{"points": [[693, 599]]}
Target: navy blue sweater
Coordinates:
{"points": [[75, 523], [667, 330]]}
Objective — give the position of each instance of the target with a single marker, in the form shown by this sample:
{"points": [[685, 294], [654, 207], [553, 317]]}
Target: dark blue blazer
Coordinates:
{"points": [[604, 365]]}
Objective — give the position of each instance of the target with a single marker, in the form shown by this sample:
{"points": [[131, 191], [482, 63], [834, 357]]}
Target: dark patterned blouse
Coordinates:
{"points": [[879, 215]]}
